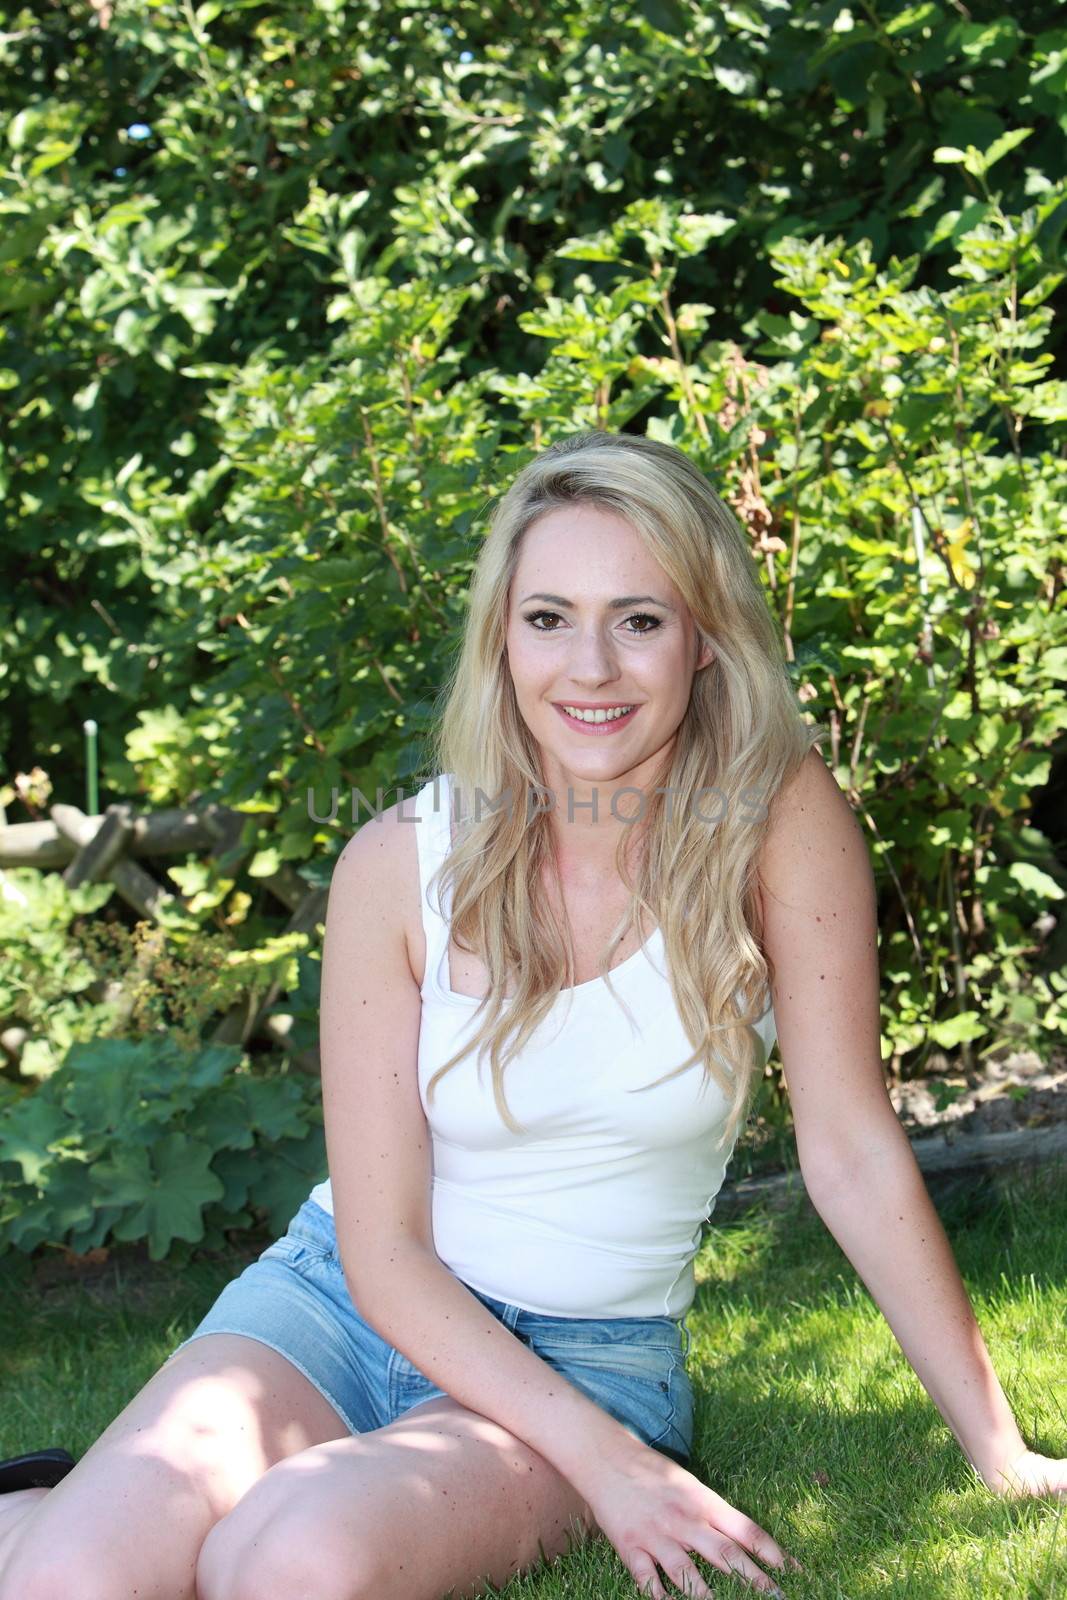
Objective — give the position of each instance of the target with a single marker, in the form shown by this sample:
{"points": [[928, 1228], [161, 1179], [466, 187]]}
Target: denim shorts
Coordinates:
{"points": [[294, 1299]]}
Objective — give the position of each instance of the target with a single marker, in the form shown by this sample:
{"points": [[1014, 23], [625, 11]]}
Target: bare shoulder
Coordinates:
{"points": [[376, 875], [812, 835]]}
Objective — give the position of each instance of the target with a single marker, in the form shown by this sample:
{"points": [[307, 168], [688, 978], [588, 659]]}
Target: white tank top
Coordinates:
{"points": [[596, 1210]]}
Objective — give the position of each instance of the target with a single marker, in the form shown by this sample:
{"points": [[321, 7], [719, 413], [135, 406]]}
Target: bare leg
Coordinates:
{"points": [[14, 1508], [131, 1517], [441, 1501]]}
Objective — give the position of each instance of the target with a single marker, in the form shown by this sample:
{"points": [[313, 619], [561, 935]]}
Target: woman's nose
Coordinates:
{"points": [[592, 659]]}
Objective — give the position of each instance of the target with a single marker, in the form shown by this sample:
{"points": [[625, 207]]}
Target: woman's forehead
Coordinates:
{"points": [[585, 547]]}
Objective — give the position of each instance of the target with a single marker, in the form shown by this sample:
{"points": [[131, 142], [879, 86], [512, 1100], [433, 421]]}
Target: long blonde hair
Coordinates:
{"points": [[743, 731]]}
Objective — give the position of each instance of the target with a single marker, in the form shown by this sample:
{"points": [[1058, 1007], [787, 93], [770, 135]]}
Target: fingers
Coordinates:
{"points": [[728, 1556], [643, 1571], [747, 1533], [685, 1575], [734, 1559], [729, 1540], [687, 1578]]}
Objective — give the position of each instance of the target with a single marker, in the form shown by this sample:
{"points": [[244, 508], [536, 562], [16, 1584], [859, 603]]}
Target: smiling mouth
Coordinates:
{"points": [[596, 719]]}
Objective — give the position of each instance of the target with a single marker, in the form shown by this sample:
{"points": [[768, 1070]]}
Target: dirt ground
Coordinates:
{"points": [[1017, 1090]]}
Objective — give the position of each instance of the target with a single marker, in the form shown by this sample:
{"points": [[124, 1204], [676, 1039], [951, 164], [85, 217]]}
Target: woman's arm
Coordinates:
{"points": [[881, 1215], [820, 932]]}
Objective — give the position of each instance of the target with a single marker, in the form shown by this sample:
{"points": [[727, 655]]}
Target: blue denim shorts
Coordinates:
{"points": [[294, 1299]]}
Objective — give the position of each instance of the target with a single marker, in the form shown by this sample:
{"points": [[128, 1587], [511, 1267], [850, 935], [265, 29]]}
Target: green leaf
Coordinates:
{"points": [[666, 16], [954, 1030], [274, 1107], [692, 232], [221, 1123], [28, 1133], [282, 1185], [64, 1210], [265, 863], [1007, 141], [913, 17], [1034, 881], [103, 1079], [52, 153], [603, 247], [167, 1187]]}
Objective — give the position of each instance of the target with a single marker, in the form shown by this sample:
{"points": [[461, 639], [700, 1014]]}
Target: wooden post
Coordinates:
{"points": [[96, 858], [160, 833], [136, 886]]}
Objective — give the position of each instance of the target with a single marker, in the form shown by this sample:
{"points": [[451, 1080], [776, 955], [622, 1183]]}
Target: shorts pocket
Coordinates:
{"points": [[641, 1384], [292, 1252], [653, 1337], [406, 1385], [309, 1238], [678, 1435]]}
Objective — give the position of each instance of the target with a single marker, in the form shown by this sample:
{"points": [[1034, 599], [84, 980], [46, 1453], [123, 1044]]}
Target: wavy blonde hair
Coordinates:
{"points": [[743, 730]]}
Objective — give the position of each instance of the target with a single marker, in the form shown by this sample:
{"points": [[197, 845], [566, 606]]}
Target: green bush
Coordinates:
{"points": [[142, 1139], [265, 367], [117, 1120]]}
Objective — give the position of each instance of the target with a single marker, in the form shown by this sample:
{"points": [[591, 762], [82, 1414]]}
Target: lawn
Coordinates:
{"points": [[808, 1417]]}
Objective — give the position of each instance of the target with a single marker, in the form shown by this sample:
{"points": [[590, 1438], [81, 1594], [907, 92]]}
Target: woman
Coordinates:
{"points": [[467, 1351]]}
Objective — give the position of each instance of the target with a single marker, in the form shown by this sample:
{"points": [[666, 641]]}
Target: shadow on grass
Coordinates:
{"points": [[77, 1345]]}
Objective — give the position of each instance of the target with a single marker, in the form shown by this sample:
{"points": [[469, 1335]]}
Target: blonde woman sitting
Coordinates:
{"points": [[549, 985]]}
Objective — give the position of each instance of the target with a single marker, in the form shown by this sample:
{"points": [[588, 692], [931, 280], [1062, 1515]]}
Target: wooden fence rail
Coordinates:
{"points": [[111, 847]]}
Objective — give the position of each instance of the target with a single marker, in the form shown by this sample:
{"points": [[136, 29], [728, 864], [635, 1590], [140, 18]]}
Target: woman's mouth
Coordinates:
{"points": [[598, 722]]}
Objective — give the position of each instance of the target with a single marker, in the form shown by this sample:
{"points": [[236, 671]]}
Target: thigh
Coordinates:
{"points": [[212, 1420], [443, 1499]]}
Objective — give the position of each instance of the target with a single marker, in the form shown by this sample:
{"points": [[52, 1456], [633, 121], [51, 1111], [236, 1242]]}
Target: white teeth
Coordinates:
{"points": [[598, 716]]}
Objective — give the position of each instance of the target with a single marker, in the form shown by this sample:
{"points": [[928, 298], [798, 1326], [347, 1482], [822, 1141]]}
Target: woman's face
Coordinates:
{"points": [[594, 621]]}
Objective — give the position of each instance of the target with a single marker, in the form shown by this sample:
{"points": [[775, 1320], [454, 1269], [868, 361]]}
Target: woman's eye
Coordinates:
{"points": [[534, 617]]}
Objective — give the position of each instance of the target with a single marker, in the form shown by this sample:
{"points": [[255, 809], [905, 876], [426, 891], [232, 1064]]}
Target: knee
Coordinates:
{"points": [[284, 1559], [218, 1569]]}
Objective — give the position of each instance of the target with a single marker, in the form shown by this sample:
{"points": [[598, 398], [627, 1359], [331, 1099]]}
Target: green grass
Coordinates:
{"points": [[808, 1416]]}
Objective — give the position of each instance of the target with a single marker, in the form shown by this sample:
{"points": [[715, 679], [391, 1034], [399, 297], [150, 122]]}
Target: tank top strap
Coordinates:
{"points": [[433, 806]]}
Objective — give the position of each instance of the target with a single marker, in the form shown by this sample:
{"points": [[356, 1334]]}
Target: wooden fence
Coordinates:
{"points": [[114, 847]]}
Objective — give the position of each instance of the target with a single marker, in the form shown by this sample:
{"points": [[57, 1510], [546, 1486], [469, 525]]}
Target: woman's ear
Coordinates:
{"points": [[705, 653]]}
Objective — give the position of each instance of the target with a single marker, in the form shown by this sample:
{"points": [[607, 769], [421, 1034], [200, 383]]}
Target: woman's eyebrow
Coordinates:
{"points": [[613, 605]]}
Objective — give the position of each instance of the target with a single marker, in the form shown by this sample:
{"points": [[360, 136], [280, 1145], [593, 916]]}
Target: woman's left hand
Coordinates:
{"points": [[1029, 1474]]}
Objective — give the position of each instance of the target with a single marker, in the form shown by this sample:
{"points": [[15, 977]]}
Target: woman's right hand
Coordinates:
{"points": [[654, 1511]]}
